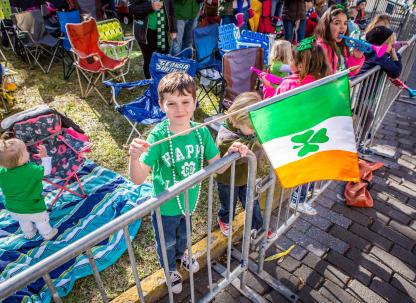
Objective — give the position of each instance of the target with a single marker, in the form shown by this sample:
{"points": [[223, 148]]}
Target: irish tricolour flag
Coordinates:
{"points": [[309, 136]]}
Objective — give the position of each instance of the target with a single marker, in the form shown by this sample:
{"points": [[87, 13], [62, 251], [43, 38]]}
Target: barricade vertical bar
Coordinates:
{"points": [[55, 296], [133, 263], [210, 189], [189, 241], [374, 108], [164, 253], [230, 220], [288, 206], [266, 222], [96, 275], [251, 181], [282, 192]]}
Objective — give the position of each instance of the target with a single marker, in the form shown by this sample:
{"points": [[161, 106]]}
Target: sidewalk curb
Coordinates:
{"points": [[154, 286]]}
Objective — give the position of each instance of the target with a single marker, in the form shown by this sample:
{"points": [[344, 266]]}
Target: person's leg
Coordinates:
{"points": [[189, 29], [170, 225], [288, 27], [246, 25], [147, 50], [227, 19], [178, 41], [301, 30], [41, 221], [278, 10], [224, 194], [257, 220], [181, 245], [25, 224]]}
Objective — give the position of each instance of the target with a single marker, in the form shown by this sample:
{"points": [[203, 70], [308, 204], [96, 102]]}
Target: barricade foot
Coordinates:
{"points": [[246, 291], [266, 277]]}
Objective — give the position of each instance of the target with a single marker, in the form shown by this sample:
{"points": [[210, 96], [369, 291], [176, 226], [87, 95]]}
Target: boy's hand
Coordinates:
{"points": [[238, 147], [137, 148], [42, 151]]}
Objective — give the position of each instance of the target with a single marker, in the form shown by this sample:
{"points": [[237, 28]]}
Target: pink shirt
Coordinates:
{"points": [[290, 82], [350, 60]]}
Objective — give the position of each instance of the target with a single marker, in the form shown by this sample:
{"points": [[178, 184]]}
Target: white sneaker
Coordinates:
{"points": [[185, 264], [50, 235], [305, 208], [175, 282]]}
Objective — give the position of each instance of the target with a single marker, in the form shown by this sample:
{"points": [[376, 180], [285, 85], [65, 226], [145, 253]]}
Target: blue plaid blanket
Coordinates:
{"points": [[109, 195]]}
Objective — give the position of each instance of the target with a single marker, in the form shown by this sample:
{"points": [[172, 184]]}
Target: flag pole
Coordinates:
{"points": [[261, 103]]}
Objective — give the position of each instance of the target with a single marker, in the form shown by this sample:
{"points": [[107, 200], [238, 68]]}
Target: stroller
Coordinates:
{"points": [[64, 141]]}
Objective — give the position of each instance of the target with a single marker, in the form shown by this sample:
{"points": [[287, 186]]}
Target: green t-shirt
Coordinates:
{"points": [[186, 150], [275, 69], [186, 9], [152, 21], [22, 188]]}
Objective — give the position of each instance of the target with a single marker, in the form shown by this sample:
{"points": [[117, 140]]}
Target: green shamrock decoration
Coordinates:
{"points": [[309, 141]]}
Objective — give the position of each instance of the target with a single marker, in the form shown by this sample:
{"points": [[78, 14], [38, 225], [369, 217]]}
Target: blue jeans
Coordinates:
{"points": [[240, 192], [288, 25], [302, 190], [277, 8], [174, 229], [183, 35]]}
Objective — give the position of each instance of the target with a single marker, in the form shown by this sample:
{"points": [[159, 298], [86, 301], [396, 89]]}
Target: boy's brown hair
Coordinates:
{"points": [[179, 82], [241, 101], [11, 151], [311, 62]]}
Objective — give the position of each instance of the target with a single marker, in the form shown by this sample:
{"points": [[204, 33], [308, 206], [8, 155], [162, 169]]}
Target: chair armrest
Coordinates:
{"points": [[129, 38], [116, 87], [114, 43]]}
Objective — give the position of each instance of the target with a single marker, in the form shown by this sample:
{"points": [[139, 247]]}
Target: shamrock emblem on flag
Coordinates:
{"points": [[309, 141]]}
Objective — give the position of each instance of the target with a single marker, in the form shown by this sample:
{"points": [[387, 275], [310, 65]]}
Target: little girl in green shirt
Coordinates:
{"points": [[21, 184]]}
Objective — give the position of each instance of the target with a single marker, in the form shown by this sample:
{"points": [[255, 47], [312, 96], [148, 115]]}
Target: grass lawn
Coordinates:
{"points": [[108, 131]]}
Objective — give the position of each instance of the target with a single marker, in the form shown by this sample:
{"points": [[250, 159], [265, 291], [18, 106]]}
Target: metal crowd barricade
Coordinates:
{"points": [[394, 8], [373, 94], [43, 268]]}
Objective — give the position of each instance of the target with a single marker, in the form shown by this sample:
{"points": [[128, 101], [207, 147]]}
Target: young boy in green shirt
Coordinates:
{"points": [[21, 184], [172, 161]]}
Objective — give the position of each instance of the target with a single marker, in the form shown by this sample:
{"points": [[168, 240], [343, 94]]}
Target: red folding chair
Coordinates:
{"points": [[89, 60], [42, 125]]}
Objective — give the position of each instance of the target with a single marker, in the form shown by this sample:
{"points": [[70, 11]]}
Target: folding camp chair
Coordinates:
{"points": [[6, 22], [67, 59], [113, 42], [209, 62], [89, 60], [35, 39], [145, 109], [42, 125], [236, 72]]}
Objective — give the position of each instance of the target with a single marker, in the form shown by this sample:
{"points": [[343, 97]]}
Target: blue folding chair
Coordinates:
{"points": [[145, 109], [209, 63], [64, 18]]}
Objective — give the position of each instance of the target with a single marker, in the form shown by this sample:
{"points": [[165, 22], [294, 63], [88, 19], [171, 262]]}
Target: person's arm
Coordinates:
{"points": [[141, 7], [138, 171], [172, 18], [357, 58], [46, 160], [235, 147], [392, 66]]}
